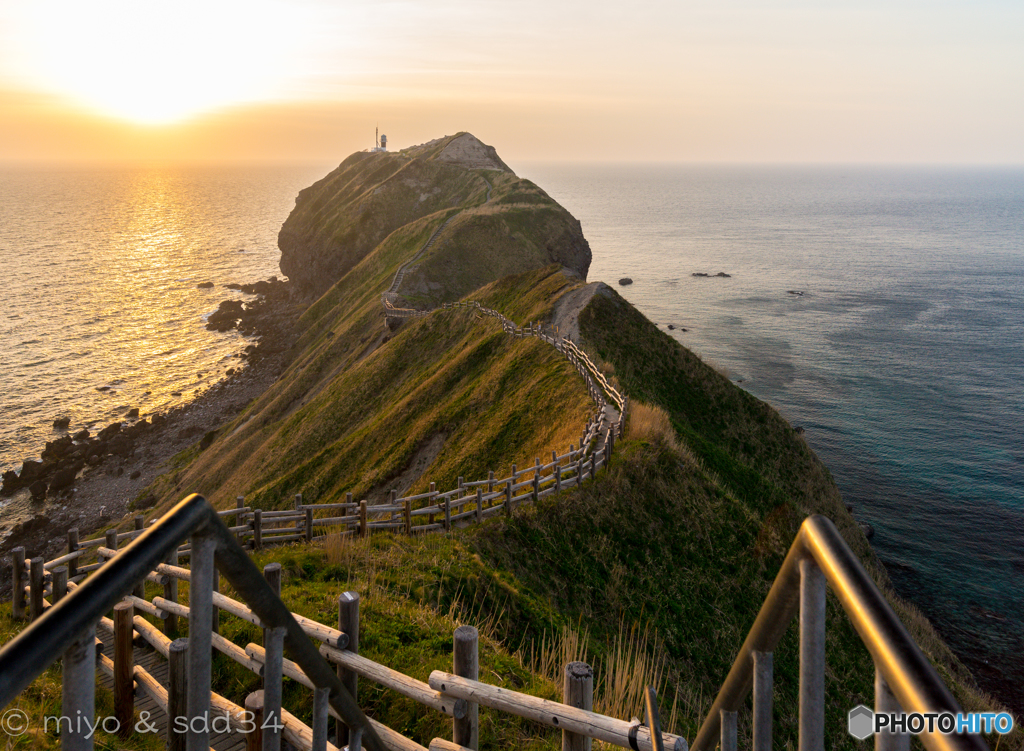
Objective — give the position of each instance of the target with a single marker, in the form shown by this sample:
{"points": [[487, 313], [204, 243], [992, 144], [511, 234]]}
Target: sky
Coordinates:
{"points": [[733, 81]]}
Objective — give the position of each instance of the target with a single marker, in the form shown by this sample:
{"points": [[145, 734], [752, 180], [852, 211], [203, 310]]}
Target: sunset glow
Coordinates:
{"points": [[733, 81], [159, 63]]}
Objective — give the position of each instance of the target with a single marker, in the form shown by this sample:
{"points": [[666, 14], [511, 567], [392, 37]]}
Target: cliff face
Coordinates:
{"points": [[501, 223]]}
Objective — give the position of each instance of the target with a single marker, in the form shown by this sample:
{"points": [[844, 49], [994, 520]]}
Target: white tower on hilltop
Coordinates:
{"points": [[380, 142]]}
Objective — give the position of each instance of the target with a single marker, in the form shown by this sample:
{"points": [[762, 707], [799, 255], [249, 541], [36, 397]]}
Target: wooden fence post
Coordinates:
{"points": [[309, 523], [466, 732], [490, 481], [257, 529], [508, 498], [447, 513], [35, 594], [430, 502], [18, 583], [321, 698], [177, 694], [215, 611], [348, 500], [72, 548], [536, 487], [577, 691], [479, 504], [124, 667], [273, 686], [60, 583], [171, 593], [298, 509], [111, 538], [408, 517], [78, 689], [558, 478], [140, 588], [254, 706], [364, 530], [515, 475], [393, 503], [579, 468], [348, 623]]}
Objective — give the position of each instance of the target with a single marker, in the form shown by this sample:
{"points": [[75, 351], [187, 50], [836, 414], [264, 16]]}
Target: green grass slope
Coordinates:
{"points": [[358, 404]]}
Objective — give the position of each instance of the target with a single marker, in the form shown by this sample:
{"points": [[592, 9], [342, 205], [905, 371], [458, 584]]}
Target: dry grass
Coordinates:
{"points": [[633, 662], [651, 423]]}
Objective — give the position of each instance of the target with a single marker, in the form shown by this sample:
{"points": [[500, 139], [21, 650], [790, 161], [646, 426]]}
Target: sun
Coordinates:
{"points": [[161, 62]]}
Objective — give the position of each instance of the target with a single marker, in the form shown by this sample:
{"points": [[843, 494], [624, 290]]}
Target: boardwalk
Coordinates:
{"points": [[156, 666]]}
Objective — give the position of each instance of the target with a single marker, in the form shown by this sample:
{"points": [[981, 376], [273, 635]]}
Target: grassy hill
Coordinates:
{"points": [[654, 572]]}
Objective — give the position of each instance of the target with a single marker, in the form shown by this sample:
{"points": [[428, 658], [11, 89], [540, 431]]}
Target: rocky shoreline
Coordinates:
{"points": [[94, 481]]}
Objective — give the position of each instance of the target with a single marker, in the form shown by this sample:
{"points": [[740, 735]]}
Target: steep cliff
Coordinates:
{"points": [[501, 224]]}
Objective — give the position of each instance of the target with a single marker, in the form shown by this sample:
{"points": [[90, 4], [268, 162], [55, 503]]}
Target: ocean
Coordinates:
{"points": [[881, 309], [901, 355]]}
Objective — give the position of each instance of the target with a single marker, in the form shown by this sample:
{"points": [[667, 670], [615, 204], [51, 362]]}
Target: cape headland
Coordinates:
{"points": [[657, 566]]}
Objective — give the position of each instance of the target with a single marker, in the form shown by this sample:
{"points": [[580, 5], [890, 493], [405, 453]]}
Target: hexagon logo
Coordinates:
{"points": [[861, 722]]}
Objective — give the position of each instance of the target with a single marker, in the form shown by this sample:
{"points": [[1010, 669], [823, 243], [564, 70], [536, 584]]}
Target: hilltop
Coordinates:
{"points": [[502, 223]]}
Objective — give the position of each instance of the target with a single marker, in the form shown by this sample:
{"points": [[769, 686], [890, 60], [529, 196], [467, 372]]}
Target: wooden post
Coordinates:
{"points": [[593, 465], [490, 481], [257, 529], [508, 498], [579, 469], [72, 548], [348, 623], [394, 502], [466, 732], [447, 513], [577, 691], [124, 667], [200, 632], [408, 517], [111, 538], [273, 675], [18, 583], [558, 478], [78, 690], [171, 593], [462, 489], [140, 588], [298, 524], [479, 504], [348, 500], [309, 523], [35, 581], [60, 584], [515, 475], [536, 487], [536, 468], [363, 529], [177, 694], [272, 573], [320, 716], [215, 612], [254, 705]]}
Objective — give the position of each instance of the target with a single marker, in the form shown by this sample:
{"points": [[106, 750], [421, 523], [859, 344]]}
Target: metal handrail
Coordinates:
{"points": [[909, 674], [26, 656]]}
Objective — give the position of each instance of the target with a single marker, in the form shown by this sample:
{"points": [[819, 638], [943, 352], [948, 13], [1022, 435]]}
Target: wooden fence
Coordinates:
{"points": [[432, 511], [154, 621]]}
